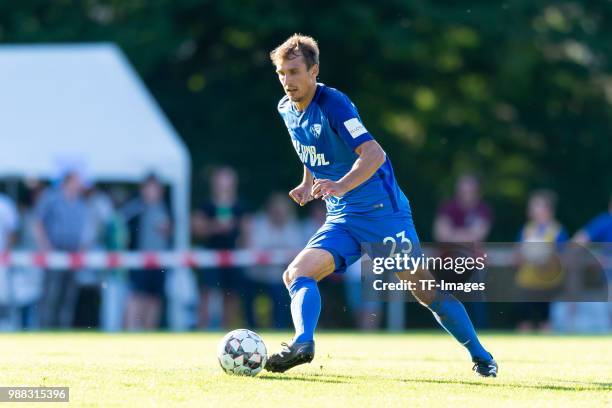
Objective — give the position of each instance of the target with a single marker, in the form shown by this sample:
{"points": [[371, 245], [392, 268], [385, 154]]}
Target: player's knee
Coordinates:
{"points": [[286, 278], [422, 274], [424, 296], [295, 271]]}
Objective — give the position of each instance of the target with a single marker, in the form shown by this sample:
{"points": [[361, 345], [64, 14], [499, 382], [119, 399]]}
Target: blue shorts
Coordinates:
{"points": [[343, 236]]}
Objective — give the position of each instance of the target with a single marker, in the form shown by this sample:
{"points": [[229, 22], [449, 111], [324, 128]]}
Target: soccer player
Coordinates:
{"points": [[346, 167]]}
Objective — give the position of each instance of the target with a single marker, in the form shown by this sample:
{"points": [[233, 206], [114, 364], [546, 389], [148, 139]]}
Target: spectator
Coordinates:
{"points": [[60, 224], [465, 219], [276, 228], [367, 314], [115, 283], [149, 226], [589, 317], [8, 225], [221, 224], [28, 281], [539, 271], [598, 229], [100, 209], [316, 218]]}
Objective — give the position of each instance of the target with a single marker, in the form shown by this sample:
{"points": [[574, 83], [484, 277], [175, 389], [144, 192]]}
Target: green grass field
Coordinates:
{"points": [[350, 369]]}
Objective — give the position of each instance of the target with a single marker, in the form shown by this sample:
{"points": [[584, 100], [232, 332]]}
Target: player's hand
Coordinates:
{"points": [[323, 188], [301, 194]]}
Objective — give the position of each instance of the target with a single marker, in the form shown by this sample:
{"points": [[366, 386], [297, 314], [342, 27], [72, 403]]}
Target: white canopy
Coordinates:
{"points": [[85, 102]]}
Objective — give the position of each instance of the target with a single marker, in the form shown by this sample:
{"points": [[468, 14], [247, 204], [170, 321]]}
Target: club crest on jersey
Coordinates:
{"points": [[316, 129]]}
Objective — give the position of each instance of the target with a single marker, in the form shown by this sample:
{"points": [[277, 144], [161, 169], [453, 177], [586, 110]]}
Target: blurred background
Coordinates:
{"points": [[152, 126]]}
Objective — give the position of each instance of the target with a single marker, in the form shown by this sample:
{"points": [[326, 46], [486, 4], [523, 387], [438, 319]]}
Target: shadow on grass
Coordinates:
{"points": [[600, 385], [588, 386], [324, 378], [344, 379]]}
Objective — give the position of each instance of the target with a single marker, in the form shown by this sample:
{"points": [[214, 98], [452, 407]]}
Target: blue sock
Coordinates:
{"points": [[451, 315], [305, 307]]}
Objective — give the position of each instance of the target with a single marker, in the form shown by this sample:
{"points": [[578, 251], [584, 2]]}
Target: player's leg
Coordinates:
{"points": [[449, 312], [301, 277], [329, 250]]}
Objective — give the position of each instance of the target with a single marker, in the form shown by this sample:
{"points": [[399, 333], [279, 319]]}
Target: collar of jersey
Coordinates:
{"points": [[320, 86]]}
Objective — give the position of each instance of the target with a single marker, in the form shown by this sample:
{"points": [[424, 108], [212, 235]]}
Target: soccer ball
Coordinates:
{"points": [[242, 352]]}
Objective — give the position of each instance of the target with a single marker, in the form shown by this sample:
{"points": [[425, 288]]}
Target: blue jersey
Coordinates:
{"points": [[325, 137], [600, 229]]}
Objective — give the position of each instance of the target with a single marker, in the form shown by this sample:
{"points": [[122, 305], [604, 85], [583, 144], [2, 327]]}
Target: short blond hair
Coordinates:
{"points": [[298, 45]]}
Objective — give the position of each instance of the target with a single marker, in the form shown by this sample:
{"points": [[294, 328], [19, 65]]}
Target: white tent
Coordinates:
{"points": [[61, 102]]}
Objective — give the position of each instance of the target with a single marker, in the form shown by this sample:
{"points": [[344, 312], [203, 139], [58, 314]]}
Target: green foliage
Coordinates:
{"points": [[518, 91]]}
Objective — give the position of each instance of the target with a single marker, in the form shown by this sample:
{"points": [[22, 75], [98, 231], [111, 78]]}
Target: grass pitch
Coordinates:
{"points": [[350, 369]]}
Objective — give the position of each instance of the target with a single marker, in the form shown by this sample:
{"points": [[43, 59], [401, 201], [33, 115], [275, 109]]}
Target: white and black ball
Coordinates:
{"points": [[242, 352]]}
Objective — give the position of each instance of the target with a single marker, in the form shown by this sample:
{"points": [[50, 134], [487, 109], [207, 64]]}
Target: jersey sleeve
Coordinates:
{"points": [[596, 227], [344, 120]]}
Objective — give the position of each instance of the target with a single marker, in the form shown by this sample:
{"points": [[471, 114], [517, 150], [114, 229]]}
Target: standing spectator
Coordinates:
{"points": [[316, 218], [598, 229], [276, 228], [60, 225], [539, 272], [221, 224], [115, 283], [366, 313], [465, 219], [8, 225], [28, 280], [149, 228], [589, 317], [100, 209]]}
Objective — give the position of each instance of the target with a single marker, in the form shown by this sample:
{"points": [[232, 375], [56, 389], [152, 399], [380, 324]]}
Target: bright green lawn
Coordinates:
{"points": [[350, 369]]}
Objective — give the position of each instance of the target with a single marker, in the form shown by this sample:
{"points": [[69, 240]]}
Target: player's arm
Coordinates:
{"points": [[308, 178], [302, 194], [371, 157]]}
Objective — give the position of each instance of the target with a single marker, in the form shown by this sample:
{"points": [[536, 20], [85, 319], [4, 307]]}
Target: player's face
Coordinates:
{"points": [[297, 80]]}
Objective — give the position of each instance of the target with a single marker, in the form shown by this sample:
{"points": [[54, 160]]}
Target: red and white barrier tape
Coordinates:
{"points": [[146, 260], [188, 259]]}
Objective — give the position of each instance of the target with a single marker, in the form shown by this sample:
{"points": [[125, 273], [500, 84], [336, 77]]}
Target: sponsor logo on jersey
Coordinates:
{"points": [[355, 127], [309, 155]]}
